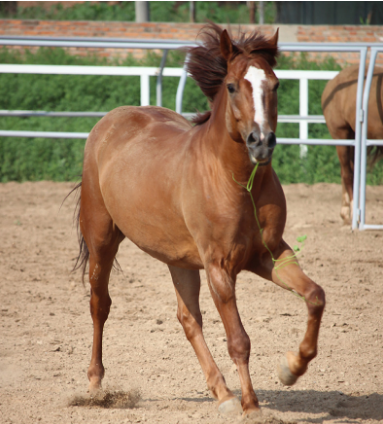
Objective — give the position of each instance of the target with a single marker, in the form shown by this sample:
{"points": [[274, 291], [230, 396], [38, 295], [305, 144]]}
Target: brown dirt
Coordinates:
{"points": [[152, 374]]}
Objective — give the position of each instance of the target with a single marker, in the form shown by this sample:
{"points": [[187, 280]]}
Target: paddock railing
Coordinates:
{"points": [[365, 143], [360, 143], [303, 119]]}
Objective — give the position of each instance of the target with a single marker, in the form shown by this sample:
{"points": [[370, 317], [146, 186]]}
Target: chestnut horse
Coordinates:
{"points": [[169, 187], [339, 108]]}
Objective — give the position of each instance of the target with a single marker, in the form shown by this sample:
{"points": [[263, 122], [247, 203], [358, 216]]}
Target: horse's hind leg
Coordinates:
{"points": [[187, 285], [102, 238], [346, 160]]}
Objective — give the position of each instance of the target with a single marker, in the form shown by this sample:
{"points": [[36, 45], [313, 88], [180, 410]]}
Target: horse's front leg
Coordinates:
{"points": [[222, 288], [187, 285], [286, 272]]}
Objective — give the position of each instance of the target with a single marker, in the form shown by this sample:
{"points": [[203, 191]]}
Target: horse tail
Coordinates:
{"points": [[83, 255]]}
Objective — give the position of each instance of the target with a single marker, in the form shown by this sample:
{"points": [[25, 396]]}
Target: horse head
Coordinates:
{"points": [[252, 106], [239, 73]]}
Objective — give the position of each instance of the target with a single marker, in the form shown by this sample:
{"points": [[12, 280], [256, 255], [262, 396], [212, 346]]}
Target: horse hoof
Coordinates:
{"points": [[231, 407], [345, 215], [286, 377], [253, 416], [94, 388]]}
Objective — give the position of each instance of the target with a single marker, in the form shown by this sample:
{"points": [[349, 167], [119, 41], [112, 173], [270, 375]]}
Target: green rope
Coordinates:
{"points": [[285, 261]]}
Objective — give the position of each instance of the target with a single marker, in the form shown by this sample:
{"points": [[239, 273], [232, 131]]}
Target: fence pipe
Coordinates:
{"points": [[295, 119], [363, 160], [303, 111], [145, 90], [357, 188], [128, 43], [181, 86], [316, 141], [29, 113], [159, 78], [43, 134], [95, 45], [94, 39]]}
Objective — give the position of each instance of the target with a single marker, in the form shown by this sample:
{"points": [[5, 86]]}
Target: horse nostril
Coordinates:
{"points": [[271, 140], [252, 139]]}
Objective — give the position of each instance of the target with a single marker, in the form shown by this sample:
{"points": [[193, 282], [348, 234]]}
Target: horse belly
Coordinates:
{"points": [[141, 189]]}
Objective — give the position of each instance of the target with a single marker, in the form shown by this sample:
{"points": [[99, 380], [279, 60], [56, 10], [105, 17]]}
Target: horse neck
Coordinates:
{"points": [[232, 156]]}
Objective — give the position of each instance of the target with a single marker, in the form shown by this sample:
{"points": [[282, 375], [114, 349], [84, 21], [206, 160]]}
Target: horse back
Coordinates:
{"points": [[339, 104], [127, 123]]}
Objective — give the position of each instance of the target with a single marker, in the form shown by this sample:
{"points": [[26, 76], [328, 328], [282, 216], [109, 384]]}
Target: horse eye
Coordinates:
{"points": [[276, 86], [231, 88]]}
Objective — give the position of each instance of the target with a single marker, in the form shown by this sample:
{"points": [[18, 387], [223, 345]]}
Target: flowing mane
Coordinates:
{"points": [[208, 67]]}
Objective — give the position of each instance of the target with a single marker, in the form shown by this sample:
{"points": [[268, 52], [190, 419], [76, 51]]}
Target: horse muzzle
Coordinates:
{"points": [[260, 150]]}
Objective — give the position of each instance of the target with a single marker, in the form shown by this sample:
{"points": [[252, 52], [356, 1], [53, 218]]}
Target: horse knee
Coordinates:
{"points": [[239, 347], [191, 323], [316, 300]]}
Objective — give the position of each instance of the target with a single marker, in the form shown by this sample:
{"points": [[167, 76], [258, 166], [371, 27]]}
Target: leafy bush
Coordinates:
{"points": [[168, 11], [61, 159]]}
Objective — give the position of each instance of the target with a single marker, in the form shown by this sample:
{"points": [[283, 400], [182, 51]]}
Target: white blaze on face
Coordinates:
{"points": [[256, 77]]}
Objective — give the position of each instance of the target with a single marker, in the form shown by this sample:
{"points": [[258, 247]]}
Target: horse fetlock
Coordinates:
{"points": [[96, 373], [250, 403], [218, 388]]}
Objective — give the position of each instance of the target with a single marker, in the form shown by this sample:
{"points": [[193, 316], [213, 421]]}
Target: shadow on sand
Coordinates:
{"points": [[334, 404]]}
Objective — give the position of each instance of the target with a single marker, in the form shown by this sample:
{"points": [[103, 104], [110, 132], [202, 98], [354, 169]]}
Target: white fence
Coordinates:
{"points": [[144, 73], [360, 143]]}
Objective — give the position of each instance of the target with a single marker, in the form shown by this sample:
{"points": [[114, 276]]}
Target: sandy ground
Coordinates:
{"points": [[46, 329]]}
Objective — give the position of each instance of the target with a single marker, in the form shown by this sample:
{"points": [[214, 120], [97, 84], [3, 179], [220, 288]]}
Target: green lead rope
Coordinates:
{"points": [[278, 263]]}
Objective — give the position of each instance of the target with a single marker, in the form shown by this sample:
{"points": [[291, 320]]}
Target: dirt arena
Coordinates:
{"points": [[152, 374]]}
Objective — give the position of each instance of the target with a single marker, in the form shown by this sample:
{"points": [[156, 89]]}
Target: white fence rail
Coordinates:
{"points": [[360, 143], [144, 73]]}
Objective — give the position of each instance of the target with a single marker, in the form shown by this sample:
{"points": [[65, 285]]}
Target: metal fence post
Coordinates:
{"points": [[181, 87], [159, 78], [363, 156], [359, 117], [303, 111], [145, 90]]}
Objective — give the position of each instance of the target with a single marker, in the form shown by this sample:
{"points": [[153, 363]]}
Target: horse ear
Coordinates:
{"points": [[274, 38], [226, 45]]}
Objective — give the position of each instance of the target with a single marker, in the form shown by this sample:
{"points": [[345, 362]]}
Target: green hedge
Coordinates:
{"points": [[169, 11], [61, 159]]}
